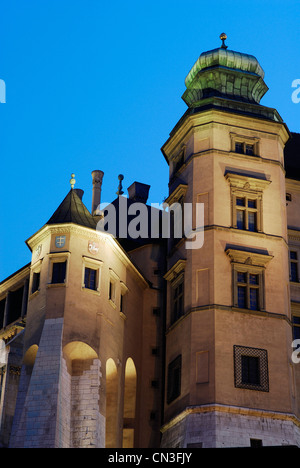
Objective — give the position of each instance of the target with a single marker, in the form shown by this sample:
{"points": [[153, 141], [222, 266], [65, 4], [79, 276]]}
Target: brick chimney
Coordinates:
{"points": [[97, 177]]}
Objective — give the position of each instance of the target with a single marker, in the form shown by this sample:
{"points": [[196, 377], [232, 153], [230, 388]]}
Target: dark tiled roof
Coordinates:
{"points": [[72, 210], [292, 157]]}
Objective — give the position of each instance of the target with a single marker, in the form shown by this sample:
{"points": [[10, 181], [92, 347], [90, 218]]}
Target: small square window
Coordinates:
{"points": [[239, 148], [255, 443], [251, 203], [35, 282], [59, 272], [240, 201], [251, 368], [90, 278]]}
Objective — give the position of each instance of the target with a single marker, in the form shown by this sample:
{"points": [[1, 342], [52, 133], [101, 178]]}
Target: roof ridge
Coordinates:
{"points": [[72, 209]]}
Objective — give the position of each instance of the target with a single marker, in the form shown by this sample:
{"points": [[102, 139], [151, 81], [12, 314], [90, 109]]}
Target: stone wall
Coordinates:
{"points": [[214, 429]]}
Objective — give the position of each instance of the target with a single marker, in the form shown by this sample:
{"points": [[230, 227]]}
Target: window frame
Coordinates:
{"points": [[245, 141], [248, 188], [294, 262], [35, 269], [58, 257], [258, 353], [174, 276], [177, 283], [113, 279], [89, 281], [92, 264], [247, 210], [122, 305], [245, 261], [174, 387], [248, 286], [296, 325]]}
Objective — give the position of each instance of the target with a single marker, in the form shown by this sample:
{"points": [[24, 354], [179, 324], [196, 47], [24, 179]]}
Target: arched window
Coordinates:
{"points": [[111, 404], [129, 404]]}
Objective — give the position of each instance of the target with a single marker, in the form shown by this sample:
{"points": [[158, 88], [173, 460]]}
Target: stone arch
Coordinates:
{"points": [[111, 418], [81, 381], [78, 355], [129, 404]]}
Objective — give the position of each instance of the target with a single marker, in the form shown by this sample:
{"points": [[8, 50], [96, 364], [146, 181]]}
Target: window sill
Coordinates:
{"points": [[241, 309], [96, 292], [295, 283], [34, 294], [112, 303], [56, 285]]}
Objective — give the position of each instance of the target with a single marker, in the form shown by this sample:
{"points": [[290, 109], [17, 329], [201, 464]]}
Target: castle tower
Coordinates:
{"points": [[88, 373], [229, 373]]}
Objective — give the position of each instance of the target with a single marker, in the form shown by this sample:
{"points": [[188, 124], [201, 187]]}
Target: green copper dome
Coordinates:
{"points": [[225, 73]]}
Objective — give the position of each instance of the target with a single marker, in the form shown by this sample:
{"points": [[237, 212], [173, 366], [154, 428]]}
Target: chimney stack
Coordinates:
{"points": [[97, 184], [138, 192]]}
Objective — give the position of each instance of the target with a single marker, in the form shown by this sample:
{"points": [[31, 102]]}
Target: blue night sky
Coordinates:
{"points": [[98, 85]]}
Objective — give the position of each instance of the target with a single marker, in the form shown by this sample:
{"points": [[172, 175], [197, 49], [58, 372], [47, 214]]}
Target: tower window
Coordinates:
{"points": [[239, 148], [251, 368], [294, 266], [174, 379], [90, 278], [248, 286], [35, 281], [177, 299], [296, 327], [246, 214], [243, 147], [255, 443], [59, 272], [112, 291], [250, 150]]}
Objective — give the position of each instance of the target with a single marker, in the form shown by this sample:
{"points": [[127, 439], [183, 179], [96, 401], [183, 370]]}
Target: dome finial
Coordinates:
{"points": [[223, 38], [72, 181], [120, 191]]}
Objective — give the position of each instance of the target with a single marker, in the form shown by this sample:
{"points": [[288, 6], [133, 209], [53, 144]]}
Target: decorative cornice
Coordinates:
{"points": [[14, 281], [231, 410], [248, 258], [90, 235], [247, 182], [293, 235], [180, 191], [176, 269]]}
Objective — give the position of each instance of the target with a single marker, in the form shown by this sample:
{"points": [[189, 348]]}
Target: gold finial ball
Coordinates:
{"points": [[72, 180], [223, 36]]}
